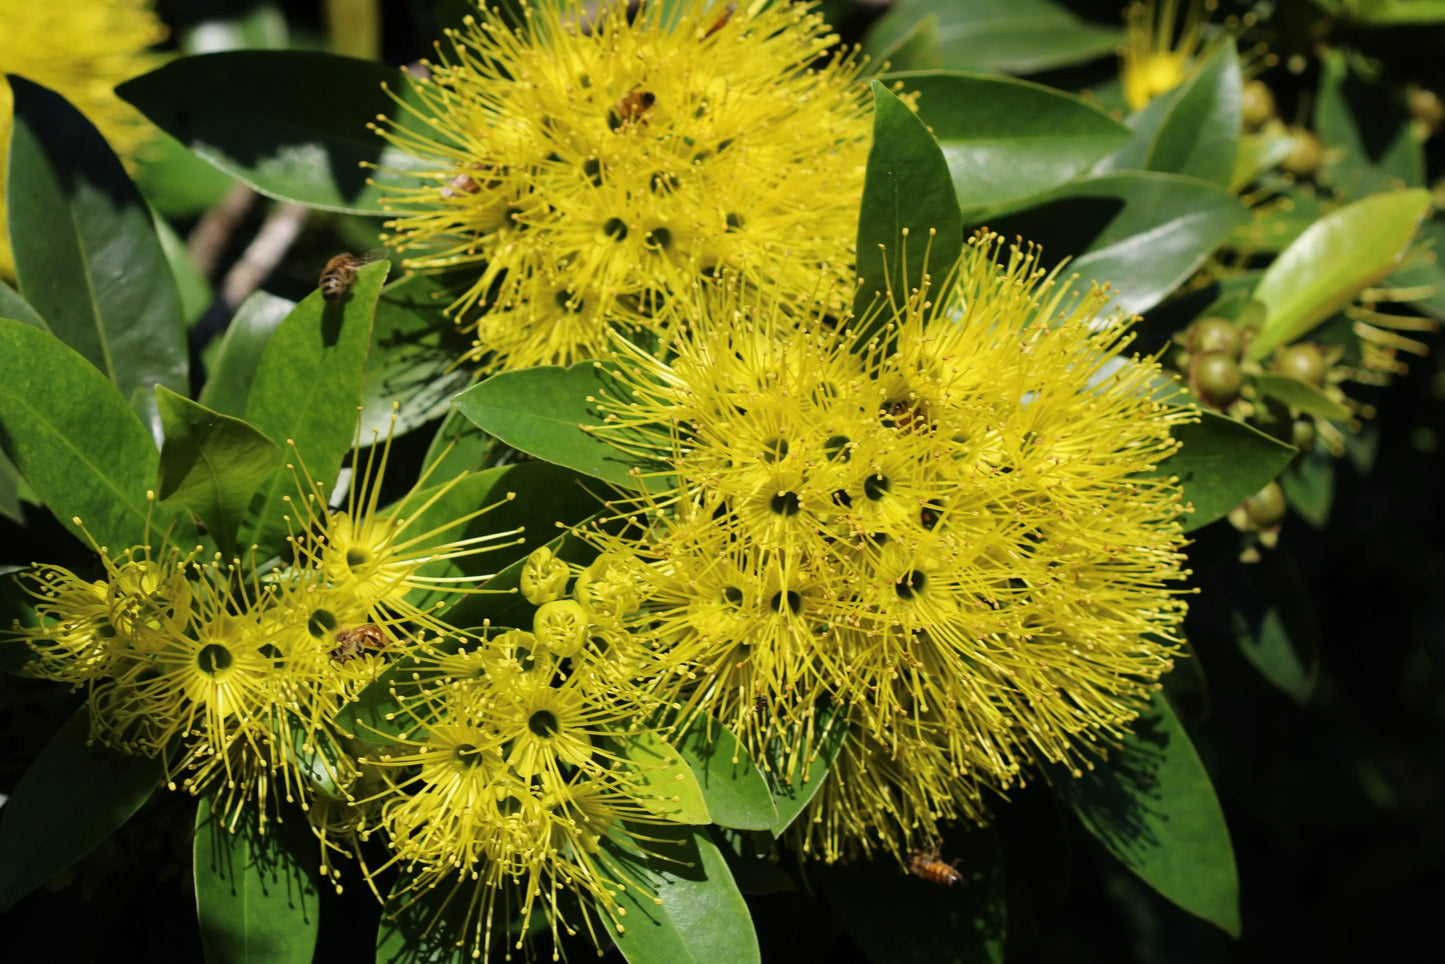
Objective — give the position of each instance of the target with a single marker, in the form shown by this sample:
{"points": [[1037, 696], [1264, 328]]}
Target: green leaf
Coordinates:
{"points": [[240, 110], [415, 358], [666, 784], [736, 792], [1152, 806], [176, 182], [16, 307], [191, 285], [71, 798], [876, 901], [1336, 258], [10, 483], [1143, 232], [86, 250], [1309, 487], [1005, 140], [1302, 396], [542, 411], [997, 36], [1221, 463], [1369, 137], [74, 438], [1275, 624], [306, 389], [918, 49], [699, 916], [211, 464], [459, 446], [240, 351], [907, 193], [792, 791], [1199, 133], [256, 901]]}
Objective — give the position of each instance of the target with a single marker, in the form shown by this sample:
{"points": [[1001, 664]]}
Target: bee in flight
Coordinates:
{"points": [[352, 642], [722, 21], [934, 869], [340, 272]]}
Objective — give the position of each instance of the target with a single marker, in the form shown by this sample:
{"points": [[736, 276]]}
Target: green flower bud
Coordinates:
{"points": [[1215, 336], [1305, 155], [1302, 435], [1215, 379], [1304, 362], [1266, 507], [562, 626], [1256, 104]]}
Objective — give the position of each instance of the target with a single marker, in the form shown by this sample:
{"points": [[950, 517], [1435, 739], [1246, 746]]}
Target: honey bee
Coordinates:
{"points": [[340, 272], [760, 703], [722, 21], [928, 865], [351, 643], [634, 105]]}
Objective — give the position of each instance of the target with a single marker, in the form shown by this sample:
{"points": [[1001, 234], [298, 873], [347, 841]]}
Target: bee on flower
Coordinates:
{"points": [[590, 165]]}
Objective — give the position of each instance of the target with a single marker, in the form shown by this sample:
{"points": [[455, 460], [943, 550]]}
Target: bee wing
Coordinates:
{"points": [[375, 254]]}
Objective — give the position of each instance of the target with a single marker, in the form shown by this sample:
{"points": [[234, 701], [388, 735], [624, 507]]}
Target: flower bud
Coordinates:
{"points": [[1266, 507], [544, 577], [562, 626], [1256, 104], [1215, 379], [1215, 336], [1302, 434], [1304, 362], [1305, 155]]}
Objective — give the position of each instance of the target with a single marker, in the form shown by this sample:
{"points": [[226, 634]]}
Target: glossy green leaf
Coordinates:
{"points": [[907, 195], [1275, 624], [191, 285], [1005, 140], [10, 483], [427, 928], [875, 901], [228, 382], [699, 916], [1301, 396], [175, 181], [74, 438], [543, 411], [71, 798], [1369, 136], [86, 250], [1309, 487], [1199, 134], [306, 389], [666, 785], [1336, 258], [256, 901], [535, 497], [736, 792], [1152, 806], [1221, 463], [459, 446], [755, 860], [240, 110], [998, 36], [1140, 231], [15, 307], [918, 49], [792, 791], [376, 714], [211, 464], [415, 358]]}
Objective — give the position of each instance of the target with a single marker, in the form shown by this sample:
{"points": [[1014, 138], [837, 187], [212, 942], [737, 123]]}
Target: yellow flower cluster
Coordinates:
{"points": [[516, 766], [235, 678], [953, 530], [81, 49], [594, 164]]}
